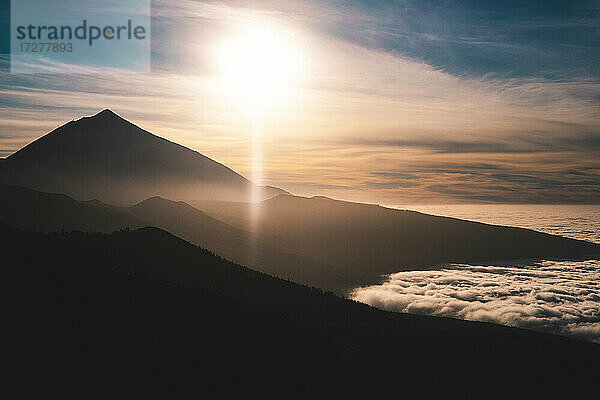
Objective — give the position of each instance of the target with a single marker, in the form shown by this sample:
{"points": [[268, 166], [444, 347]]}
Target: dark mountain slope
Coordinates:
{"points": [[333, 245], [370, 239], [264, 253], [139, 312], [108, 158], [30, 209], [47, 212]]}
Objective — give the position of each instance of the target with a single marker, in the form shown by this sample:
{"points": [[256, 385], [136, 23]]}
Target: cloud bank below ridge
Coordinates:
{"points": [[556, 297]]}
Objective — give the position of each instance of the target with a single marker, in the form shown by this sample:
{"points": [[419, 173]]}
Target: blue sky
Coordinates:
{"points": [[501, 39], [398, 102]]}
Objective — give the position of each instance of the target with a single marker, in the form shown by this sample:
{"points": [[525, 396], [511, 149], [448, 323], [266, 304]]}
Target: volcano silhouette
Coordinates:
{"points": [[108, 158]]}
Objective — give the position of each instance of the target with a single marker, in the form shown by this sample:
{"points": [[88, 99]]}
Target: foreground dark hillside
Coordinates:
{"points": [[139, 312]]}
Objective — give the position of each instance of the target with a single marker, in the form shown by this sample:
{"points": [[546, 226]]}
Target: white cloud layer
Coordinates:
{"points": [[549, 296]]}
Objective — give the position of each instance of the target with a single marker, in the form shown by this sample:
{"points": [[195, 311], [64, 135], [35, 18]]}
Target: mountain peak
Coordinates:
{"points": [[107, 111], [105, 114]]}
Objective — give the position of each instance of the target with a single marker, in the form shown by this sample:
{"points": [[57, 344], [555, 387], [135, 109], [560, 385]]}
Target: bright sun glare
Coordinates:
{"points": [[259, 64]]}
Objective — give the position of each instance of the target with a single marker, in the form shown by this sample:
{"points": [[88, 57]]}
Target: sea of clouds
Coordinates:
{"points": [[561, 297]]}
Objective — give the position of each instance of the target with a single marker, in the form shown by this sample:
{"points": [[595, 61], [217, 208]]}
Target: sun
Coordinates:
{"points": [[259, 63]]}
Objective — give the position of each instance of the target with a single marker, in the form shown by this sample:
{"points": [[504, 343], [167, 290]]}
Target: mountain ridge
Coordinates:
{"points": [[26, 208], [46, 212], [328, 244], [365, 237]]}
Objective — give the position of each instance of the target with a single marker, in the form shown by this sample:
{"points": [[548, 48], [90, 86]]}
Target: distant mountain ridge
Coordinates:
{"points": [[47, 212], [108, 158], [262, 252], [316, 241], [373, 240]]}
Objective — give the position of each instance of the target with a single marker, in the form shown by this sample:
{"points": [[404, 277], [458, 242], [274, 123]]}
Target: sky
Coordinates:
{"points": [[391, 102]]}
